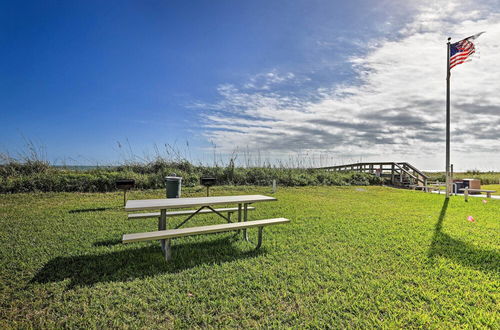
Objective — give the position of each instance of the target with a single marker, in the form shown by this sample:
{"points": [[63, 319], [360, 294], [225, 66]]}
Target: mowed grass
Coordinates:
{"points": [[492, 187], [351, 257]]}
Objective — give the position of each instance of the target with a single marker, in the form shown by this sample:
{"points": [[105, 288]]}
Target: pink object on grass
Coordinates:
{"points": [[470, 218]]}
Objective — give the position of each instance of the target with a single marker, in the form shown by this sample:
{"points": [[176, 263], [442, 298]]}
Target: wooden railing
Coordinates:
{"points": [[398, 171]]}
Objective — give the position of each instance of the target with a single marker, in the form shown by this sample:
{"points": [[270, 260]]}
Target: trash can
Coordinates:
{"points": [[173, 185]]}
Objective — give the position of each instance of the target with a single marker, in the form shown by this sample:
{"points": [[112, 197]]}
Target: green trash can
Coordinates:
{"points": [[173, 185]]}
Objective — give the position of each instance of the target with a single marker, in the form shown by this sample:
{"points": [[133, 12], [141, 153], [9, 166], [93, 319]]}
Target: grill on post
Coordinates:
{"points": [[125, 185], [207, 182]]}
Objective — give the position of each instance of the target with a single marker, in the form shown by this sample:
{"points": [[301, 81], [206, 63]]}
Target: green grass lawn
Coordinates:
{"points": [[492, 187], [351, 257]]}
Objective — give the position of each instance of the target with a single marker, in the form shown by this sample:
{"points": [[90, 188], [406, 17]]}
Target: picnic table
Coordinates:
{"points": [[203, 205], [469, 190]]}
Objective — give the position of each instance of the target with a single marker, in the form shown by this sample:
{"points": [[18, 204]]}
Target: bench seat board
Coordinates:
{"points": [[173, 233], [479, 190], [184, 212]]}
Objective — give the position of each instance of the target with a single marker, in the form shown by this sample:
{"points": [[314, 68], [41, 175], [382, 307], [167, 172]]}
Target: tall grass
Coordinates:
{"points": [[33, 176], [37, 175], [29, 171]]}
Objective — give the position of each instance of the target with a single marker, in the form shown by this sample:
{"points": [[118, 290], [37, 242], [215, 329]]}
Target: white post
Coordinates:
{"points": [[274, 186], [466, 193]]}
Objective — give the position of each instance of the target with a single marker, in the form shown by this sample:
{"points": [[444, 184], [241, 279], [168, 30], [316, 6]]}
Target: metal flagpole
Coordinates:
{"points": [[448, 179]]}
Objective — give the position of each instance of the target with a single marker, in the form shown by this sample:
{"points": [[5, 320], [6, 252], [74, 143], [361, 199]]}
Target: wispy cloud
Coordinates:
{"points": [[268, 80], [395, 107]]}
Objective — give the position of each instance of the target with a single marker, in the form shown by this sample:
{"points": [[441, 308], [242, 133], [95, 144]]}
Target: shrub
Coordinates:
{"points": [[29, 177]]}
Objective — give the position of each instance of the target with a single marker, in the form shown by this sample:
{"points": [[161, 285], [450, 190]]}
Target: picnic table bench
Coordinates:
{"points": [[468, 190], [204, 205]]}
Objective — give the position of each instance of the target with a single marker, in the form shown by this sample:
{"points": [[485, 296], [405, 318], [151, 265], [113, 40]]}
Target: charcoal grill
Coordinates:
{"points": [[125, 185], [207, 182]]}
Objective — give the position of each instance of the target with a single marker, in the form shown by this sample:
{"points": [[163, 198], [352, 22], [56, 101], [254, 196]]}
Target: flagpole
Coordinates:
{"points": [[448, 179]]}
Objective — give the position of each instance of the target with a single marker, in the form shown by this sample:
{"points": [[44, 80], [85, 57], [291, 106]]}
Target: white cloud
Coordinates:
{"points": [[395, 110], [264, 81]]}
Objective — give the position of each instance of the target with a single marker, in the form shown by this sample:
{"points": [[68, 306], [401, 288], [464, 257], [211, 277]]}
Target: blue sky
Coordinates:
{"points": [[83, 77]]}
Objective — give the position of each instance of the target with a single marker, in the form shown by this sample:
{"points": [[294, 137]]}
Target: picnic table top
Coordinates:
{"points": [[157, 204]]}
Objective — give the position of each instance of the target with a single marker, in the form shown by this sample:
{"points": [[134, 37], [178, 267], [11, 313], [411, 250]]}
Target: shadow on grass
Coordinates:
{"points": [[142, 262], [471, 256], [97, 209]]}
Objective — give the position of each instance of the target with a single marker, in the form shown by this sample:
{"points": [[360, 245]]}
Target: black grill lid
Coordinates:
{"points": [[125, 183], [207, 181]]}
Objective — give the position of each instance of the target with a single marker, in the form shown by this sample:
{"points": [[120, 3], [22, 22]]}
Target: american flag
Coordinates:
{"points": [[463, 50]]}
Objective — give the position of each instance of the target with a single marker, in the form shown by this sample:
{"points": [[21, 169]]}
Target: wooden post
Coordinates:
{"points": [[466, 193]]}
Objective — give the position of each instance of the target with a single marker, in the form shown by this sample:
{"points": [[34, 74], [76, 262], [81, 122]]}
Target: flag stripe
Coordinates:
{"points": [[457, 58]]}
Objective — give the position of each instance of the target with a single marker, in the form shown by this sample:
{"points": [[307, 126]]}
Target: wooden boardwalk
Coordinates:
{"points": [[401, 174]]}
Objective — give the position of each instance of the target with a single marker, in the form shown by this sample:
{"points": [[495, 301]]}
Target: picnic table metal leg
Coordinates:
{"points": [[165, 243], [218, 213], [192, 215], [240, 214], [488, 195], [245, 218], [259, 242], [167, 250], [162, 225]]}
